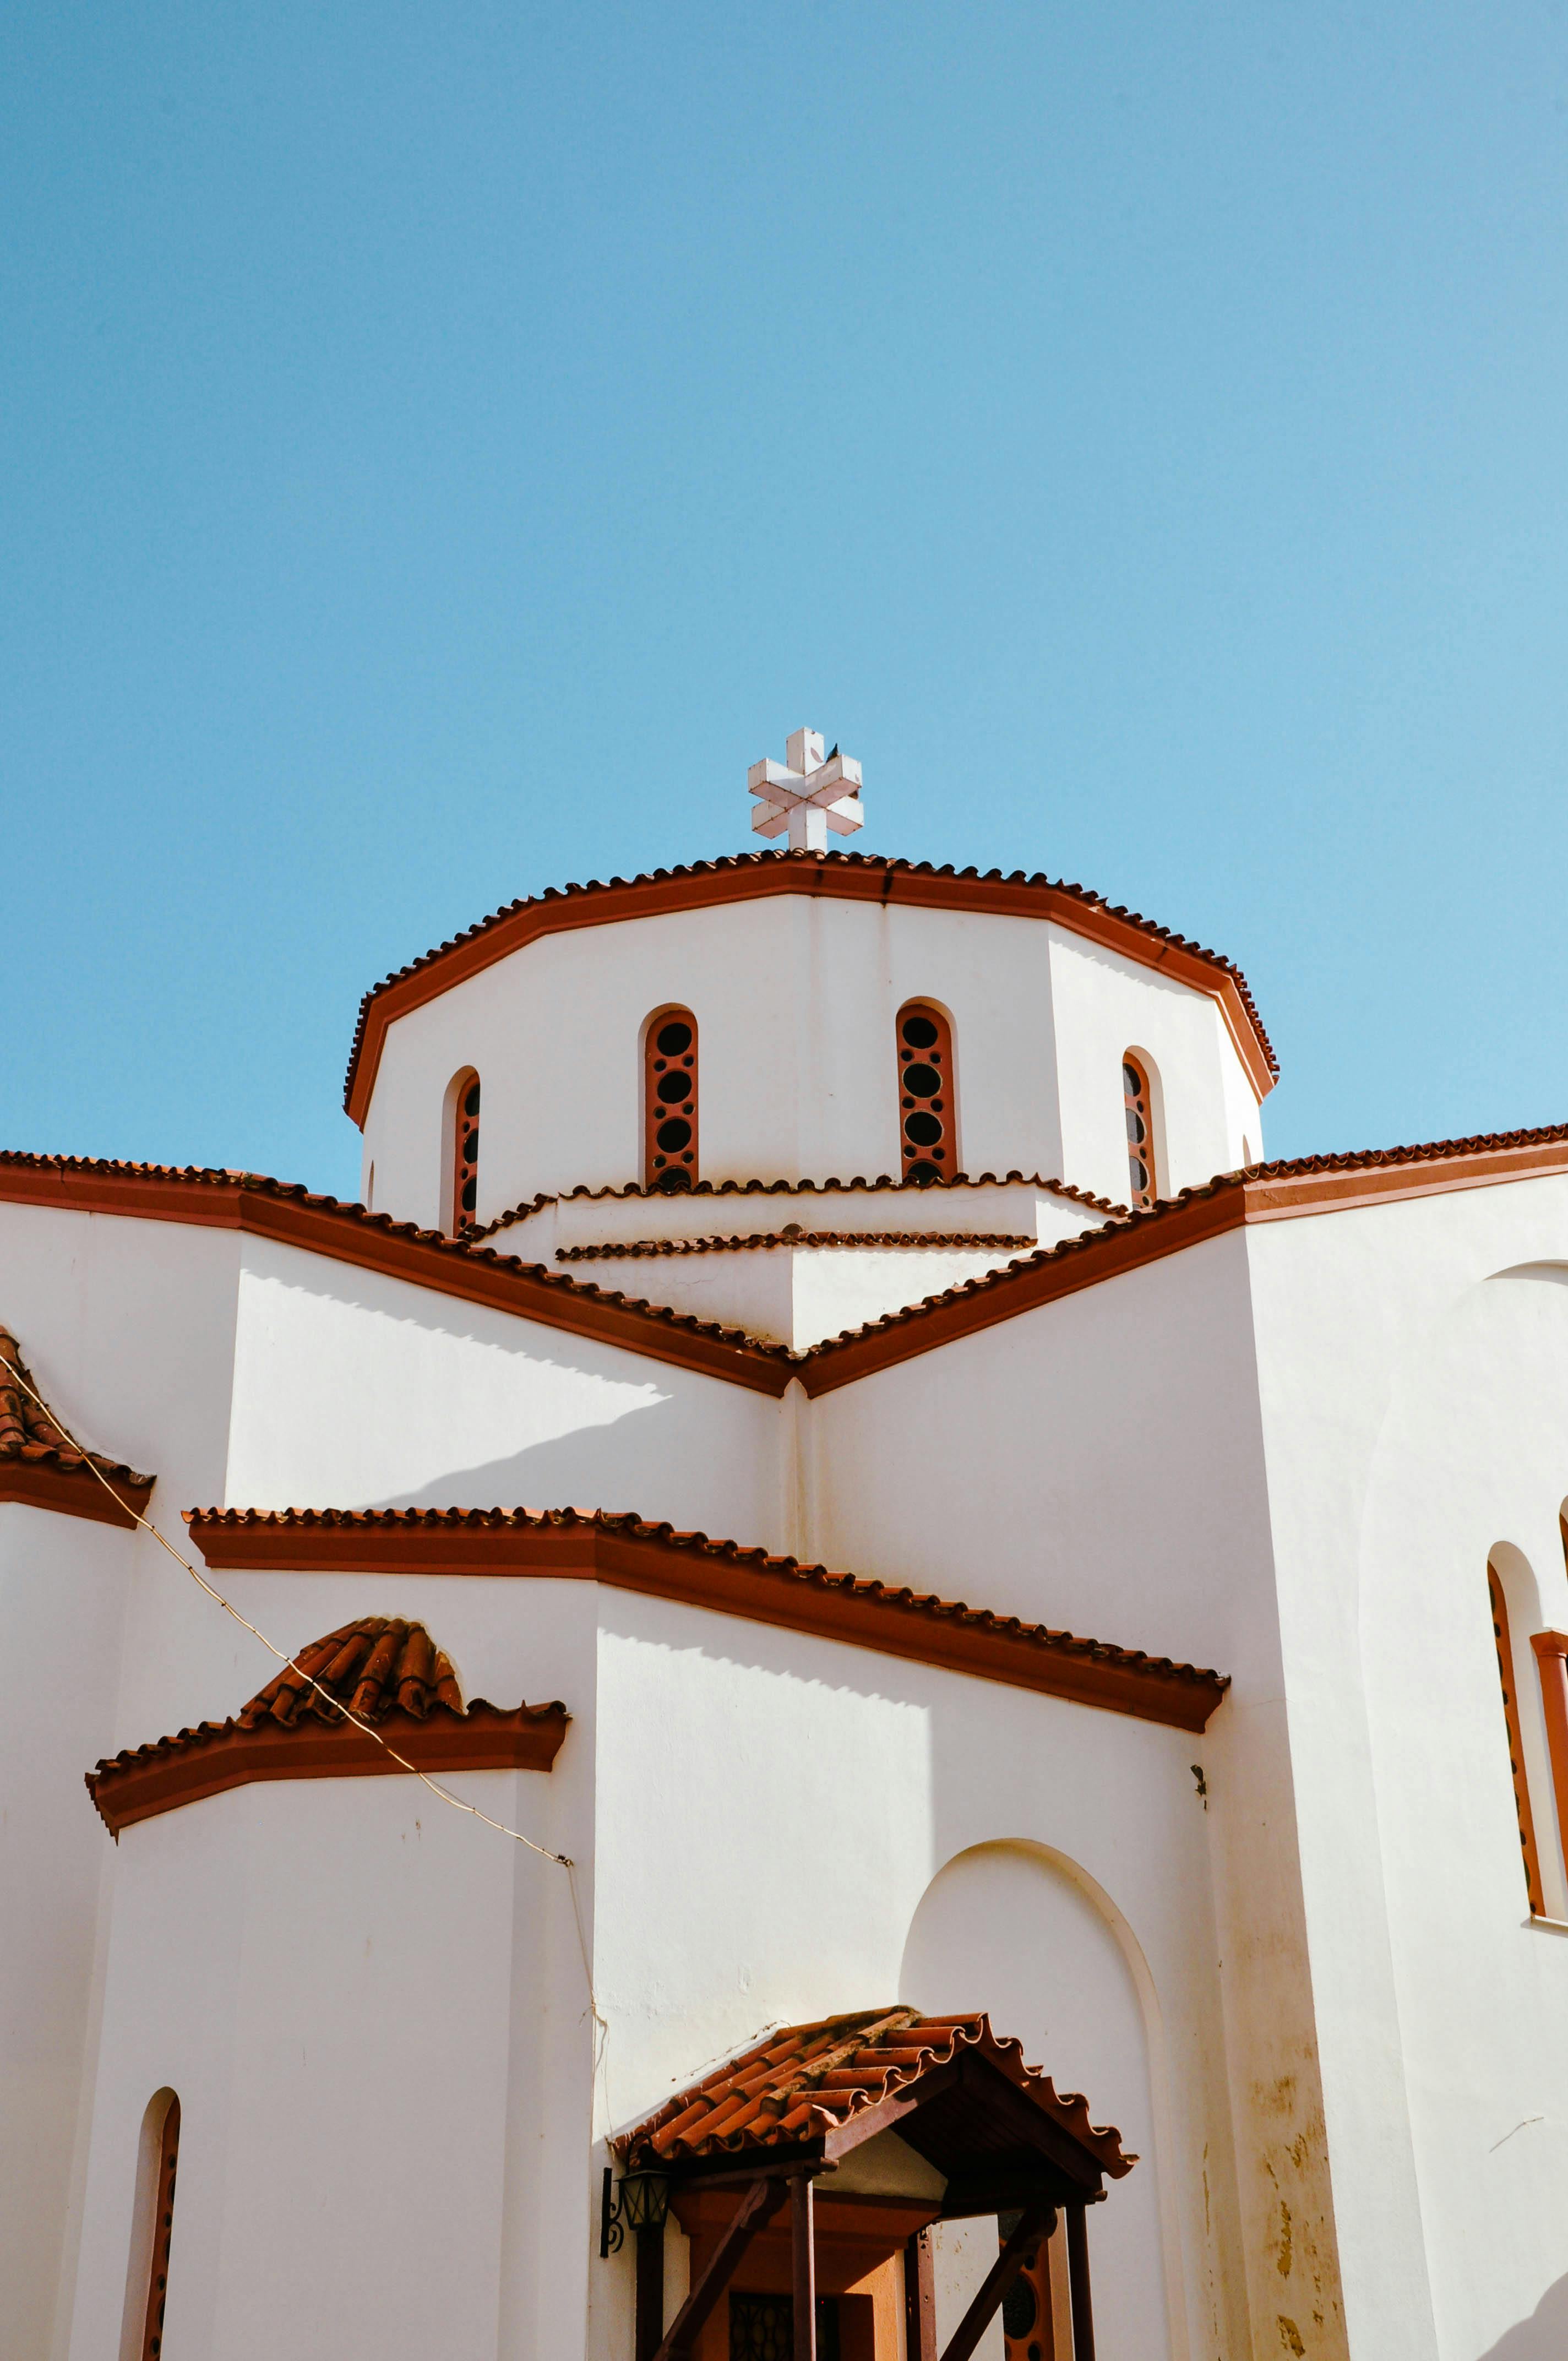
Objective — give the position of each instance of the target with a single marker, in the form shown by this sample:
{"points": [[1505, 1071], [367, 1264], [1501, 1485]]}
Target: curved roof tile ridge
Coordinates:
{"points": [[737, 863], [883, 1183], [374, 1667]]}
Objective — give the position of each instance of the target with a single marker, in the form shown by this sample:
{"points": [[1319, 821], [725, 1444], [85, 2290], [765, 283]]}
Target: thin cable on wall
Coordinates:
{"points": [[561, 1859]]}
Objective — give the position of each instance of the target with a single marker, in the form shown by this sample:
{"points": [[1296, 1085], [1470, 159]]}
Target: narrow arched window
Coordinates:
{"points": [[162, 2232], [1141, 1176], [1516, 1742], [465, 1151], [927, 1108], [669, 1100]]}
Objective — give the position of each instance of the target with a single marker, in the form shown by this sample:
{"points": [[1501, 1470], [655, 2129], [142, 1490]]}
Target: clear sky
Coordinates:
{"points": [[443, 446]]}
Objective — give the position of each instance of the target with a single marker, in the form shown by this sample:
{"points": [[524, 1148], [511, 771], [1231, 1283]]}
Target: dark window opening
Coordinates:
{"points": [[162, 2233], [926, 1102], [465, 1155], [669, 1100], [1141, 1175]]}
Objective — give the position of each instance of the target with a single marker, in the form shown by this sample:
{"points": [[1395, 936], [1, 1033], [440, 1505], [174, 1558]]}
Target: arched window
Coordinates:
{"points": [[927, 1108], [1515, 1741], [669, 1100], [465, 1134], [1141, 1176], [162, 2231]]}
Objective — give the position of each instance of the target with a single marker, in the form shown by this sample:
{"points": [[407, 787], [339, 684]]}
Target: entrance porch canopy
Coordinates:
{"points": [[804, 2113]]}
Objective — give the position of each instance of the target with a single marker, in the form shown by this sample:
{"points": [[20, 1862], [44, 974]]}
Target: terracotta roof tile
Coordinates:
{"points": [[383, 1670], [804, 2082], [792, 1234], [967, 1638], [370, 1667], [29, 1433], [884, 1181], [735, 865]]}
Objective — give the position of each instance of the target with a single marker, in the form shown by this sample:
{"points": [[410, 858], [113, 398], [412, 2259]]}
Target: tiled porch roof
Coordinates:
{"points": [[807, 2081]]}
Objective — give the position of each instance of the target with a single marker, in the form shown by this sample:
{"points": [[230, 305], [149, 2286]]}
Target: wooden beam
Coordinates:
{"points": [[919, 2299], [761, 2199], [650, 2325], [999, 2278], [1078, 2281], [802, 2253]]}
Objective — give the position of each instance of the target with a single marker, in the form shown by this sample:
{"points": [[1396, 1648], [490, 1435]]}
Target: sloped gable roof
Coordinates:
{"points": [[804, 2082]]}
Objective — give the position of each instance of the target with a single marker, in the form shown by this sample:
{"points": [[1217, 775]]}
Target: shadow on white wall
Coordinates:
{"points": [[1017, 1930], [1543, 2337]]}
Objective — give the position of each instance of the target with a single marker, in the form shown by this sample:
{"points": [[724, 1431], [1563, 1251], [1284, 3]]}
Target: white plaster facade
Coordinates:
{"points": [[1279, 1428]]}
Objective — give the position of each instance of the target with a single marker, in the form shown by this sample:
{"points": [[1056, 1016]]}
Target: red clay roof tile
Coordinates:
{"points": [[28, 1432], [804, 2082], [382, 1669]]}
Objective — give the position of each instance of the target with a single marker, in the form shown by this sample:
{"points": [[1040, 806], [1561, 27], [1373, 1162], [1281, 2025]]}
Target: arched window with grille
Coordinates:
{"points": [[670, 1100], [1142, 1177], [1509, 1678], [927, 1103], [463, 1152], [155, 2226]]}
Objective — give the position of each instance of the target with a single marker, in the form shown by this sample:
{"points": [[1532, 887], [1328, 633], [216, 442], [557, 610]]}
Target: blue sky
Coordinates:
{"points": [[443, 448]]}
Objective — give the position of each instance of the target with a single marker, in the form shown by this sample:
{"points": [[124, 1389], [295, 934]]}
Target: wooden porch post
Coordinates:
{"points": [[1078, 2281], [649, 2292], [919, 2299], [803, 2243], [760, 2200]]}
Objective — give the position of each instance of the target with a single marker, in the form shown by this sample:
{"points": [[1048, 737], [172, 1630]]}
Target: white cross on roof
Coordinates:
{"points": [[807, 794]]}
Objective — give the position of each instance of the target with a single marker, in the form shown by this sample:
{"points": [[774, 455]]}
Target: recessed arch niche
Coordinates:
{"points": [[1020, 1931]]}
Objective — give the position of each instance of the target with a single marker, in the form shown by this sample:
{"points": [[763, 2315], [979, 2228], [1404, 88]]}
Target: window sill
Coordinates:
{"points": [[1547, 1925]]}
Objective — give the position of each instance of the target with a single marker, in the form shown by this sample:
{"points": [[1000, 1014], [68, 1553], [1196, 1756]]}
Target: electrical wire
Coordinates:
{"points": [[561, 1859]]}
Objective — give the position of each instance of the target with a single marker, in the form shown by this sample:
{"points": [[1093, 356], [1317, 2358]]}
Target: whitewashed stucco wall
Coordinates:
{"points": [[796, 1002], [1413, 1406]]}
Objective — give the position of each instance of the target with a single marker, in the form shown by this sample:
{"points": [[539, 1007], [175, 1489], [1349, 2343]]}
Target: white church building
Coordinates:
{"points": [[1008, 1656]]}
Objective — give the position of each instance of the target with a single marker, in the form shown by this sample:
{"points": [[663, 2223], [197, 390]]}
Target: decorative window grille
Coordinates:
{"points": [[762, 2328], [927, 1111], [669, 1100], [162, 2230], [1140, 1174], [465, 1154], [1516, 1743]]}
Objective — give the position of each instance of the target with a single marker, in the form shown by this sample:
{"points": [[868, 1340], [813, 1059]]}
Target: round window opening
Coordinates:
{"points": [[924, 1129], [923, 1081], [675, 1134], [674, 1088], [674, 1040], [920, 1032]]}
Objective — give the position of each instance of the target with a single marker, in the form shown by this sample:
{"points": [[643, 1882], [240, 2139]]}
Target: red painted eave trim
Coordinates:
{"points": [[869, 1615], [185, 1770], [72, 1492], [882, 884]]}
